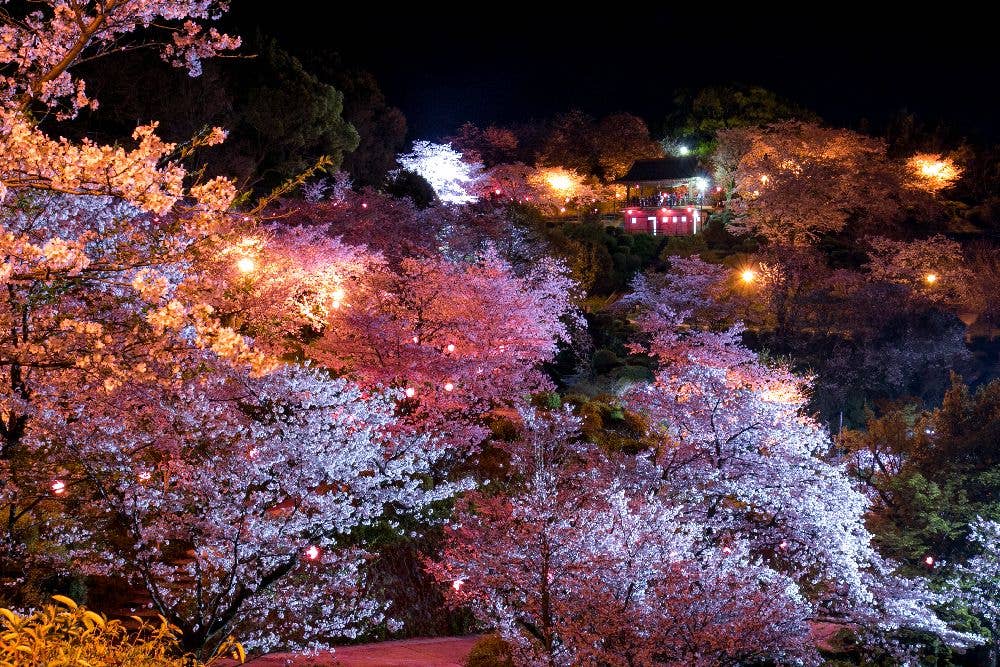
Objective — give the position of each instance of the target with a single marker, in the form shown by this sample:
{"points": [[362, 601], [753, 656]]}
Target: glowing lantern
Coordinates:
{"points": [[497, 191], [364, 204], [560, 181], [448, 386], [934, 171], [748, 275], [246, 264], [410, 392], [451, 347], [457, 584], [931, 278], [58, 487], [312, 553], [929, 561]]}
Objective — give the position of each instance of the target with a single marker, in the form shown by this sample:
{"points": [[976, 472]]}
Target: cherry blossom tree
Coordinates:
{"points": [[572, 566], [796, 181], [144, 433], [458, 338], [977, 581], [933, 268], [445, 169], [751, 466], [41, 47], [232, 499]]}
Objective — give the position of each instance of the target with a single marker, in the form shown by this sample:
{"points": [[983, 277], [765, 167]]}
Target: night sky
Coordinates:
{"points": [[442, 68]]}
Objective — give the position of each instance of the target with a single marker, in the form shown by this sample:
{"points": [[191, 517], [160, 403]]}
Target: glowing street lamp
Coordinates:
{"points": [[448, 386], [931, 278], [246, 264], [410, 392], [683, 150], [748, 276], [58, 487], [312, 553]]}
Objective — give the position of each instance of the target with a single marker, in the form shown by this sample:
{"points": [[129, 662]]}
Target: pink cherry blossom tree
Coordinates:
{"points": [[738, 447], [573, 566], [143, 431]]}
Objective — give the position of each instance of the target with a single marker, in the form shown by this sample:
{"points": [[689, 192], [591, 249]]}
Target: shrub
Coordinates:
{"points": [[72, 635], [490, 651]]}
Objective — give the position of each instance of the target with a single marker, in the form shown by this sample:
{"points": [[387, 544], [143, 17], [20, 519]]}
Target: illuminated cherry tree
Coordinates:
{"points": [[457, 338], [796, 181], [41, 47], [445, 169], [738, 447], [978, 581], [575, 567], [234, 497], [144, 433], [933, 268]]}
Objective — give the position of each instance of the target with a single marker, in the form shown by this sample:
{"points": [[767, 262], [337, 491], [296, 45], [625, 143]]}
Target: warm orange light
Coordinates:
{"points": [[246, 264], [931, 278], [764, 179], [933, 171], [560, 182], [748, 275]]}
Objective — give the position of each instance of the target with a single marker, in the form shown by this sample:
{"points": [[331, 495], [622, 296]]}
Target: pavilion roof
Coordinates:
{"points": [[662, 170]]}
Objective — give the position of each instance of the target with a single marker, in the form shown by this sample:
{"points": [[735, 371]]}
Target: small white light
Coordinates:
{"points": [[145, 476], [448, 386], [410, 392], [312, 553], [58, 487], [683, 150], [451, 347], [364, 204], [929, 561], [457, 584]]}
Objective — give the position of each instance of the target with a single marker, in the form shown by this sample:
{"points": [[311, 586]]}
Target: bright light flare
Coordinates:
{"points": [[58, 487], [246, 264], [312, 553], [748, 275], [560, 182], [448, 386], [683, 150], [933, 172], [451, 347], [929, 561], [410, 392], [931, 278], [701, 184]]}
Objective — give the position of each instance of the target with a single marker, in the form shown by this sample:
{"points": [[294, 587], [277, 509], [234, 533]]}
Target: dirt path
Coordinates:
{"points": [[434, 652]]}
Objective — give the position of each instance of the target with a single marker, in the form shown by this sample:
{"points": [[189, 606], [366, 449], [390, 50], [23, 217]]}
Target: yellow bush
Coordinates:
{"points": [[68, 635]]}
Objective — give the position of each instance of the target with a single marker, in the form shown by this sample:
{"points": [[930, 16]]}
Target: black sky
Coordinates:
{"points": [[443, 67]]}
